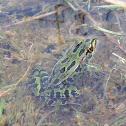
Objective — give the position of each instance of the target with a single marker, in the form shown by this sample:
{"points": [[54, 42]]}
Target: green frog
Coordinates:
{"points": [[60, 84]]}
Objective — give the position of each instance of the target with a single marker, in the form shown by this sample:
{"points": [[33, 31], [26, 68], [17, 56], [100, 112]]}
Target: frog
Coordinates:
{"points": [[60, 84]]}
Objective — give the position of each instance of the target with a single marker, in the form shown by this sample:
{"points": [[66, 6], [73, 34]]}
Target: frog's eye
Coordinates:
{"points": [[90, 48]]}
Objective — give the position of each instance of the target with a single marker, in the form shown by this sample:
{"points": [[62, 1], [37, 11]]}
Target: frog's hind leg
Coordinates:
{"points": [[38, 80]]}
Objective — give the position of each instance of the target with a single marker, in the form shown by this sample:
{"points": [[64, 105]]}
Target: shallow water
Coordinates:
{"points": [[32, 33]]}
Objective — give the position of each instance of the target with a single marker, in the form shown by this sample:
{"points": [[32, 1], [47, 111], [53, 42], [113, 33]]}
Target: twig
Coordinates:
{"points": [[35, 18], [3, 93], [117, 2], [19, 79]]}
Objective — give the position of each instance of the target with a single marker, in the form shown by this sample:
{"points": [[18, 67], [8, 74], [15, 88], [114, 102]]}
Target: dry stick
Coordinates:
{"points": [[5, 92], [36, 18], [114, 41], [117, 2], [118, 22], [10, 89], [98, 25]]}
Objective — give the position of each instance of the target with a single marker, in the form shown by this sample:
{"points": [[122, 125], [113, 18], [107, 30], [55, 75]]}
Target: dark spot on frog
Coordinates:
{"points": [[66, 93], [64, 60], [56, 81], [35, 85], [41, 90], [70, 79], [62, 70], [63, 101], [50, 102], [53, 72], [34, 71], [50, 80], [81, 52], [74, 76], [78, 69], [32, 80], [71, 65], [45, 79], [44, 75], [43, 98], [58, 94], [87, 40], [73, 92], [52, 94], [42, 71], [33, 94], [77, 46]]}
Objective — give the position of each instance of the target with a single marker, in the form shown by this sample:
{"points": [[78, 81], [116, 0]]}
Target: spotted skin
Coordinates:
{"points": [[61, 82]]}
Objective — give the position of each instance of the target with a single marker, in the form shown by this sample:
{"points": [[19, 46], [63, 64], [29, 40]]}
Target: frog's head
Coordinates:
{"points": [[90, 45]]}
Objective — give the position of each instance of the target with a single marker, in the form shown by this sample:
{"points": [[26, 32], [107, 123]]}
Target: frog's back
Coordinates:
{"points": [[67, 71]]}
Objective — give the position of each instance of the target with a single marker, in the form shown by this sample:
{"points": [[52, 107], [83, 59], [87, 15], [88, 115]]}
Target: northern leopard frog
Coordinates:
{"points": [[67, 71]]}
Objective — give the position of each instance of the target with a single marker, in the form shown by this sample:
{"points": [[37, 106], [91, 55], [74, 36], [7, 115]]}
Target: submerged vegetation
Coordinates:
{"points": [[38, 33]]}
